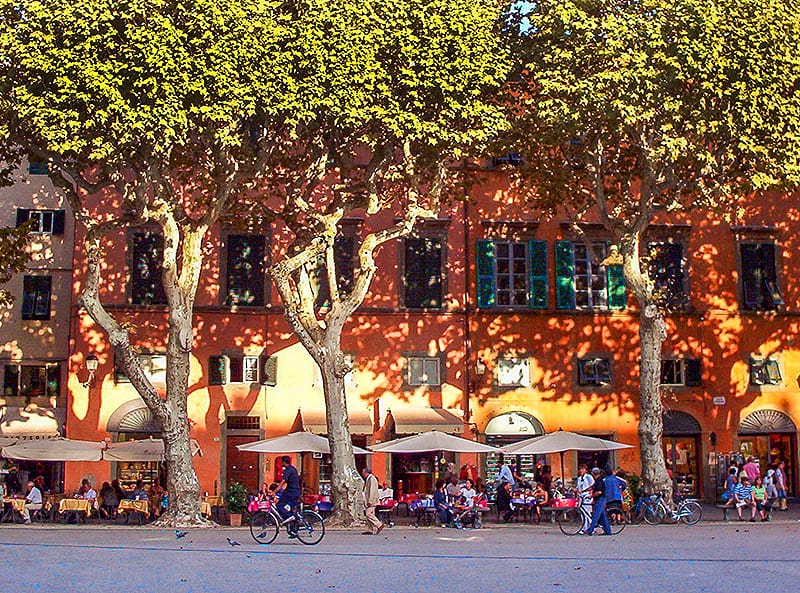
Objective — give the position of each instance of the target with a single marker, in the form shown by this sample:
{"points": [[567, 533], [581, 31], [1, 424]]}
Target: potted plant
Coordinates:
{"points": [[236, 501]]}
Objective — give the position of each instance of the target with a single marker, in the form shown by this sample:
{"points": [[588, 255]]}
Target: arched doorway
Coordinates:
{"points": [[771, 437], [134, 421], [682, 451], [508, 428]]}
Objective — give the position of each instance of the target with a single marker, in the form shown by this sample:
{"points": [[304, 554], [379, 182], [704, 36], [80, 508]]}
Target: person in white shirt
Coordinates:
{"points": [[33, 501], [468, 493], [585, 483]]}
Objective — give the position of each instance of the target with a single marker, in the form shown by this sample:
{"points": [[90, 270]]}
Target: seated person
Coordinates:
{"points": [[541, 498], [87, 492], [440, 503], [33, 501], [110, 501], [468, 493], [760, 496], [138, 492], [453, 489], [386, 495], [504, 502], [743, 497], [155, 495]]}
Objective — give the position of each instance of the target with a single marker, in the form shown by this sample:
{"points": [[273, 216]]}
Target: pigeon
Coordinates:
{"points": [[233, 543], [180, 534]]}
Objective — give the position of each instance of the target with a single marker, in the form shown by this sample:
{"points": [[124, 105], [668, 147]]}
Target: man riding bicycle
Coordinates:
{"points": [[290, 493]]}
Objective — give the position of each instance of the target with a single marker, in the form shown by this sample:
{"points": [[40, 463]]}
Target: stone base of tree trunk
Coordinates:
{"points": [[184, 521]]}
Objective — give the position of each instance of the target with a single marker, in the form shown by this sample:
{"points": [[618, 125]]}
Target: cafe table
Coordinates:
{"points": [[205, 508], [77, 507], [13, 509], [138, 508]]}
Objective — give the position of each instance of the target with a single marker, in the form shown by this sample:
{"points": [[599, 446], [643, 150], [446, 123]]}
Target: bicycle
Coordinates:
{"points": [[644, 510], [309, 526], [574, 519], [687, 510]]}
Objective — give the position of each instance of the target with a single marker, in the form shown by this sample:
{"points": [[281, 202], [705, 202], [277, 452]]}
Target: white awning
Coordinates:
{"points": [[144, 450], [58, 449], [314, 421], [31, 422], [413, 419]]}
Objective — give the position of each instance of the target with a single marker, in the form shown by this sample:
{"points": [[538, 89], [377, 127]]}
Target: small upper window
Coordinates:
{"points": [[681, 372], [45, 222], [37, 166], [594, 371], [423, 371], [765, 372], [512, 372]]}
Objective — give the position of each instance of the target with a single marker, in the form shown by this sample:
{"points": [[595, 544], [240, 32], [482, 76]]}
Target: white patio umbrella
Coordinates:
{"points": [[294, 442], [143, 450], [432, 440], [57, 449], [562, 441]]}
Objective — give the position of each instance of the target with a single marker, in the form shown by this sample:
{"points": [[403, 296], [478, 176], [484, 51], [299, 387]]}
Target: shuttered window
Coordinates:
{"points": [[147, 286], [512, 274], [36, 291], [666, 270], [245, 270], [759, 277], [46, 222], [584, 281], [423, 273]]}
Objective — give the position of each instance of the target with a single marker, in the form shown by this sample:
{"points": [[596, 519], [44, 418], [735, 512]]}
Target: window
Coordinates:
{"points": [[584, 280], [512, 274], [681, 372], [50, 222], [36, 297], [759, 278], [423, 371], [594, 371], [245, 281], [243, 422], [512, 372], [765, 372], [423, 273], [236, 368], [154, 366], [343, 255], [667, 273], [37, 166], [31, 381], [147, 286]]}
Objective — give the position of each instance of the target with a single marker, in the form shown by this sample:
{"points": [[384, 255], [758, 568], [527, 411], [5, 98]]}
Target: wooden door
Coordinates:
{"points": [[241, 466]]}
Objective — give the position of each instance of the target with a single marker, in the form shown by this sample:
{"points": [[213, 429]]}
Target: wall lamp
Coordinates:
{"points": [[480, 367], [91, 365]]}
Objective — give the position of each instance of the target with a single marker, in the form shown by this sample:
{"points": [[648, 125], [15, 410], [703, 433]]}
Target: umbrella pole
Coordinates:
{"points": [[563, 477]]}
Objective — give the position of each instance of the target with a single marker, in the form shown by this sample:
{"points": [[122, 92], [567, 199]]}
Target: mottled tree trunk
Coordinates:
{"points": [[346, 485], [652, 333]]}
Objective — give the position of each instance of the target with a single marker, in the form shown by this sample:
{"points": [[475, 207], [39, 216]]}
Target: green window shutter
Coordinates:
{"points": [[565, 275], [617, 295], [537, 281], [485, 265]]}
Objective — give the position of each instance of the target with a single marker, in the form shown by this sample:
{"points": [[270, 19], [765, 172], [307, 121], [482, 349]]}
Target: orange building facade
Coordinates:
{"points": [[487, 322]]}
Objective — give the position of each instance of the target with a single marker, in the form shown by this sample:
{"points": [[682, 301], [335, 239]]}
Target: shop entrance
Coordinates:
{"points": [[771, 437], [506, 429], [681, 452]]}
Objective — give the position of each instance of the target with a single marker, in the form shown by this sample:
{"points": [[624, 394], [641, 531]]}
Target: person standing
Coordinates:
{"points": [[780, 485], [371, 501], [599, 515], [584, 486], [752, 469], [290, 494], [505, 474]]}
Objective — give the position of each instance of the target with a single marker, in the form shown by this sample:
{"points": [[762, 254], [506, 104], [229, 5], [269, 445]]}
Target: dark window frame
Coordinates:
{"points": [[759, 283], [423, 358], [49, 377], [37, 293], [146, 265], [670, 278], [765, 372], [253, 283], [594, 371]]}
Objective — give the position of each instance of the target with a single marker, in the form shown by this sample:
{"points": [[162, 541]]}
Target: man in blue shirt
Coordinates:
{"points": [[615, 484], [505, 475], [743, 497], [290, 493], [599, 515]]}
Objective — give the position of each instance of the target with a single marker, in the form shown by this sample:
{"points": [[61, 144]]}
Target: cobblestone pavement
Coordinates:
{"points": [[712, 556]]}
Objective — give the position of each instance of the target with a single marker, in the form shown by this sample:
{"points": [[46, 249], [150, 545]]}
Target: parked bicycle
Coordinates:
{"points": [[653, 509], [307, 524], [572, 520]]}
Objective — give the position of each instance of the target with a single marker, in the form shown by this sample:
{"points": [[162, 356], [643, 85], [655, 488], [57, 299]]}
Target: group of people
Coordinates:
{"points": [[456, 501], [603, 492], [747, 489]]}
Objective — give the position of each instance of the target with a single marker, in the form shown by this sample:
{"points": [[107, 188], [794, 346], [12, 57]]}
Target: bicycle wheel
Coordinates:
{"points": [[616, 518], [570, 521], [690, 512], [263, 528], [654, 514], [310, 528], [636, 514]]}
